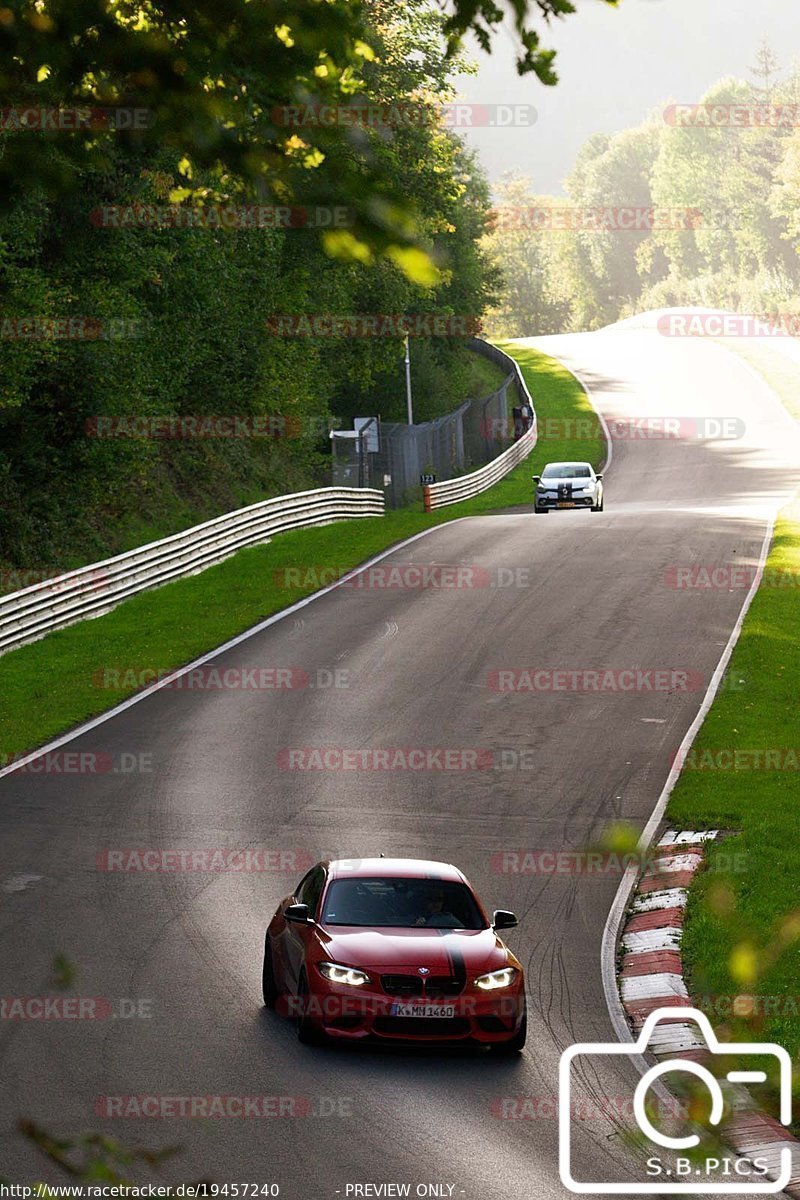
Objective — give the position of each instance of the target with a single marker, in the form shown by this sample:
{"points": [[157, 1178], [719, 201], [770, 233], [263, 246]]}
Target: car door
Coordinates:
{"points": [[296, 936]]}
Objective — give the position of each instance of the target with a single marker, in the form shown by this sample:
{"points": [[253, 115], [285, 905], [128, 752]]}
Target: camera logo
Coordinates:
{"points": [[671, 1169]]}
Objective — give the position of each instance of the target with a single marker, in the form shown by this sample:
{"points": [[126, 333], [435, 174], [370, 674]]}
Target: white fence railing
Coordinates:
{"points": [[89, 591], [450, 491]]}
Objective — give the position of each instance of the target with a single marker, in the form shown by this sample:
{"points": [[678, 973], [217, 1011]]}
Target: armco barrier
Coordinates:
{"points": [[450, 491], [53, 603]]}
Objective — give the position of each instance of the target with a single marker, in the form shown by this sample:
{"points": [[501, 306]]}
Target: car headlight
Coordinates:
{"points": [[338, 974], [496, 979]]}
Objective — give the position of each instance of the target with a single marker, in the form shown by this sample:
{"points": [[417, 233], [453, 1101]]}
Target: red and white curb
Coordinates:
{"points": [[650, 976]]}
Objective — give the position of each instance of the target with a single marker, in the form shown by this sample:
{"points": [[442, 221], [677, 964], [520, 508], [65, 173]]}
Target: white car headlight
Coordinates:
{"points": [[496, 979], [339, 974]]}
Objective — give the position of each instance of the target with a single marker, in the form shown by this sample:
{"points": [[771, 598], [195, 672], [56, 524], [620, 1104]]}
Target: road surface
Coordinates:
{"points": [[573, 591]]}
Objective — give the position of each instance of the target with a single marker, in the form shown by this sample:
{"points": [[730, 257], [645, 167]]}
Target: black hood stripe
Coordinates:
{"points": [[458, 967]]}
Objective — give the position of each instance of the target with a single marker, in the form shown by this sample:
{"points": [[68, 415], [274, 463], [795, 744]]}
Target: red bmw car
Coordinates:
{"points": [[393, 949]]}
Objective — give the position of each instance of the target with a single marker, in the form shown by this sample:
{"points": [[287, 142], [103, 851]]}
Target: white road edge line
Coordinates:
{"points": [[616, 915], [86, 726]]}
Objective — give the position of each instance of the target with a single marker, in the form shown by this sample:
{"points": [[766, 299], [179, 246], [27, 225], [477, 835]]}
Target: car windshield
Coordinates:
{"points": [[401, 903], [566, 471]]}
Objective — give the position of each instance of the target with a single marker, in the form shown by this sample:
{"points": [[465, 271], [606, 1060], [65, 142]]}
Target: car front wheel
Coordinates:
{"points": [[307, 1032], [269, 988], [515, 1044]]}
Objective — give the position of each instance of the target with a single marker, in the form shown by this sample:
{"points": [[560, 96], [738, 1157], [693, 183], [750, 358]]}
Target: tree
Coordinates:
{"points": [[208, 82], [198, 300], [524, 252], [610, 189], [726, 172], [765, 71]]}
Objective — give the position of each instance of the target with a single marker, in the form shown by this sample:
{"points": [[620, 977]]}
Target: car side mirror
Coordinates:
{"points": [[298, 914], [536, 478], [600, 476], [503, 919]]}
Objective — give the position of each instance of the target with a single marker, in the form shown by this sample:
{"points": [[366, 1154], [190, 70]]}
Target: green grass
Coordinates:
{"points": [[50, 686], [742, 934], [482, 376], [779, 371]]}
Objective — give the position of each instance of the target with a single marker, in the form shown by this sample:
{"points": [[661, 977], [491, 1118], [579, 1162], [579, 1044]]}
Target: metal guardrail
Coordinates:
{"points": [[53, 603], [450, 491]]}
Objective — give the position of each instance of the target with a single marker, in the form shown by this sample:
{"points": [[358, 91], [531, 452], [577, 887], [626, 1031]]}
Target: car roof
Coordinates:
{"points": [[569, 463], [404, 868]]}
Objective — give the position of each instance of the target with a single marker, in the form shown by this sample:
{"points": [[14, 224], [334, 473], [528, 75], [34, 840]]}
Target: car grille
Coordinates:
{"points": [[419, 985], [442, 1027]]}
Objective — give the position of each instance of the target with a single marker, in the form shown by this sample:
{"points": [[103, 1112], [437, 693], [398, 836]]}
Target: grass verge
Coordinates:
{"points": [[54, 684], [742, 934]]}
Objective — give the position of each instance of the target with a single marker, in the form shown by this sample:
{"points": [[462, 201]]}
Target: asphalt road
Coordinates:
{"points": [[573, 591]]}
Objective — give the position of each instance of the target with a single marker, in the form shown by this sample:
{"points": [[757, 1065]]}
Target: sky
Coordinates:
{"points": [[615, 66]]}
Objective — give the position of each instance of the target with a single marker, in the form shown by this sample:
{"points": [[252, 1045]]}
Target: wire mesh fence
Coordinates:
{"points": [[470, 436]]}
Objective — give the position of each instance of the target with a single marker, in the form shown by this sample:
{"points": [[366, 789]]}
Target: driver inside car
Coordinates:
{"points": [[435, 915]]}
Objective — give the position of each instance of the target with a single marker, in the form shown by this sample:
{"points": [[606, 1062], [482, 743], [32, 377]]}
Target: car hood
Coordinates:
{"points": [[404, 951]]}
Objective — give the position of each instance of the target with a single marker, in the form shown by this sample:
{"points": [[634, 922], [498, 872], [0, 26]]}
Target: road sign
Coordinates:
{"points": [[370, 426]]}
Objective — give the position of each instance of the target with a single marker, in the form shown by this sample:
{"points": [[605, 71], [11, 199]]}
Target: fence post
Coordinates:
{"points": [[426, 492]]}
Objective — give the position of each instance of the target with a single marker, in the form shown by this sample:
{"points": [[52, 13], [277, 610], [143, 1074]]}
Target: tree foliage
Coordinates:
{"points": [[212, 80], [182, 320], [723, 195]]}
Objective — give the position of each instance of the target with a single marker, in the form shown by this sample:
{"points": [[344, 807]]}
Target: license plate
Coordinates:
{"points": [[565, 504], [423, 1010]]}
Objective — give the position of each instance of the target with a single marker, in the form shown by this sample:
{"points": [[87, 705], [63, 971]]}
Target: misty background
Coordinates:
{"points": [[614, 66]]}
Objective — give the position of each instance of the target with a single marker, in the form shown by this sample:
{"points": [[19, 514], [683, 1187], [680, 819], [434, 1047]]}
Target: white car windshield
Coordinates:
{"points": [[566, 471]]}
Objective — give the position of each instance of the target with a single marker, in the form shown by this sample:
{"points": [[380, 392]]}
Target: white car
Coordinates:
{"points": [[568, 485]]}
